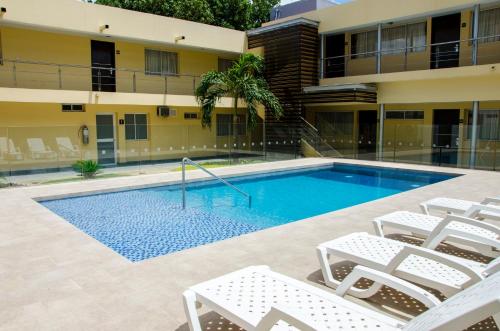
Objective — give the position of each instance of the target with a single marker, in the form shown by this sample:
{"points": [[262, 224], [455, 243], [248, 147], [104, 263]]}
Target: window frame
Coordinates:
{"points": [[222, 59], [135, 126], [188, 116], [487, 39], [242, 130], [404, 113], [469, 124], [161, 73]]}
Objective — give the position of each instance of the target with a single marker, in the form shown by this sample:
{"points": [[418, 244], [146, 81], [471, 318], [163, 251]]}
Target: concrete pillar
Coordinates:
{"points": [[473, 137]]}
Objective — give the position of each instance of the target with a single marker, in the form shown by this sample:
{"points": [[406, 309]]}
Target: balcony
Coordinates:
{"points": [[458, 53], [57, 76]]}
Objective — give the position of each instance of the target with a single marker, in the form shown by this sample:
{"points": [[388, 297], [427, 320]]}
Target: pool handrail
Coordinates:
{"points": [[225, 182]]}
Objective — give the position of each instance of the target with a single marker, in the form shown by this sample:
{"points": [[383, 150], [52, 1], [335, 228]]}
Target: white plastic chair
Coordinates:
{"points": [[67, 148], [38, 149], [256, 298], [488, 208], [8, 150], [467, 231], [446, 273]]}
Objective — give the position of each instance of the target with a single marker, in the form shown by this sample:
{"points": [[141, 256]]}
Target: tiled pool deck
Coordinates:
{"points": [[55, 277]]}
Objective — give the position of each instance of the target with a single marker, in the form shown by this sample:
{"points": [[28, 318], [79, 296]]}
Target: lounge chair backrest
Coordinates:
{"points": [[65, 143], [36, 145], [462, 310], [6, 145]]}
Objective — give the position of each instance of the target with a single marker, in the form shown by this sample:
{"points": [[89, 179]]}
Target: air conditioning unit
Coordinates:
{"points": [[165, 111]]}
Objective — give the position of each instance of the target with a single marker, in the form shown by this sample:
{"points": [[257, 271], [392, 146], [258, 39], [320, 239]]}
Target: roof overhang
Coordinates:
{"points": [[359, 93], [282, 25]]}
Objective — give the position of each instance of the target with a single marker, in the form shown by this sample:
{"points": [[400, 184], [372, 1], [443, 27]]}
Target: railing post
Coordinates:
{"points": [[321, 56], [99, 79], [60, 77], [379, 48], [475, 34], [134, 83], [194, 84], [381, 132], [166, 86], [184, 183], [14, 74]]}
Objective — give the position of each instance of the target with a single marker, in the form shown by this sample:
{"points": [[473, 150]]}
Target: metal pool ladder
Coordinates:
{"points": [[191, 162]]}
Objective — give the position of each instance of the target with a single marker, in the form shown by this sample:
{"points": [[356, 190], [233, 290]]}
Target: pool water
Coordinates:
{"points": [[144, 223]]}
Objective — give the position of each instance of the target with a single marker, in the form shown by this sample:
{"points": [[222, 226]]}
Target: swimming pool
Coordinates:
{"points": [[144, 223]]}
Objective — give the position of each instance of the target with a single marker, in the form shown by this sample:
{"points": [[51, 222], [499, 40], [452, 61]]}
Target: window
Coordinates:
{"points": [[404, 115], [225, 125], [363, 44], [405, 38], [136, 127], [225, 64], [489, 25], [489, 124], [160, 63], [190, 116]]}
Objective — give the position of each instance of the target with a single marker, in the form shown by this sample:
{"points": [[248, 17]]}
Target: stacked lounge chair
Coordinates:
{"points": [[256, 298]]}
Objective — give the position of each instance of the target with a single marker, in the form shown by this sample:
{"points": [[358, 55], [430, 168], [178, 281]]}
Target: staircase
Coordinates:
{"points": [[313, 144]]}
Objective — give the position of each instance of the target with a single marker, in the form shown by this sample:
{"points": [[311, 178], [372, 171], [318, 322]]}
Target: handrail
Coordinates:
{"points": [[410, 48], [309, 124], [191, 162]]}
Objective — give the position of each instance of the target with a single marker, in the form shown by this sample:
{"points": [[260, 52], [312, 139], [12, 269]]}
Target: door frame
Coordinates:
{"points": [[107, 140], [112, 69]]}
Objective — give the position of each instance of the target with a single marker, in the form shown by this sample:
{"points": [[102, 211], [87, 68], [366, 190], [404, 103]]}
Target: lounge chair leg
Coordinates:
{"points": [[190, 310], [424, 208], [379, 230], [325, 268]]}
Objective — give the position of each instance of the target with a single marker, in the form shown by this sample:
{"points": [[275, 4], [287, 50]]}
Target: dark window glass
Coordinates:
{"points": [[136, 127], [190, 116], [224, 124], [225, 64]]}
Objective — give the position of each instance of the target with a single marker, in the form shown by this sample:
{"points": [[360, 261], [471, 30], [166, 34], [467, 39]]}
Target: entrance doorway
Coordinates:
{"points": [[106, 140], [103, 66], [367, 134], [445, 136], [334, 65], [446, 34]]}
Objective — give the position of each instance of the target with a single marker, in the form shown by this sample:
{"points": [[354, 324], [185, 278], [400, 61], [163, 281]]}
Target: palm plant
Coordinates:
{"points": [[243, 81]]}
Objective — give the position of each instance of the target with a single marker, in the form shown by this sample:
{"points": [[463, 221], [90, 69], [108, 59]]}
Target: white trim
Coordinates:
{"points": [[105, 140]]}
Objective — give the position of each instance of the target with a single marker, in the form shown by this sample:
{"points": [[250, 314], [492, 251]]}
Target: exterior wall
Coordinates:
{"points": [[412, 140], [71, 56], [168, 138], [80, 18]]}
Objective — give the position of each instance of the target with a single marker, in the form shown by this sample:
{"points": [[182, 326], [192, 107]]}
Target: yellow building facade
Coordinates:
{"points": [[84, 81], [435, 66]]}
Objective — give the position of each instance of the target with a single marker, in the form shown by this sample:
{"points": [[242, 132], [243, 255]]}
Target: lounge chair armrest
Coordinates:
{"points": [[490, 200], [285, 314], [435, 256], [476, 209], [467, 220], [428, 299]]}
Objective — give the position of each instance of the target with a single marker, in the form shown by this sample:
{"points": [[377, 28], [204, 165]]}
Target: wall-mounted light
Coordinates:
{"points": [[103, 27], [178, 38], [3, 10]]}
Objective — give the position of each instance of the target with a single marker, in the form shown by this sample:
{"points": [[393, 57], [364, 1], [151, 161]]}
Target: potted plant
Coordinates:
{"points": [[87, 168]]}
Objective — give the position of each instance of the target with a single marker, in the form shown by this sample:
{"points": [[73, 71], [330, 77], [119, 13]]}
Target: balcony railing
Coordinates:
{"points": [[45, 75], [456, 53]]}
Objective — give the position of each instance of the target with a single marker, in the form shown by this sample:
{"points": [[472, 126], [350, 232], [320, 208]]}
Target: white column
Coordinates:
{"points": [[473, 137], [381, 115]]}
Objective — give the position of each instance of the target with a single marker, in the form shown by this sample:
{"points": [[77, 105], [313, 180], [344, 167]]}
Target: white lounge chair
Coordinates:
{"points": [[8, 150], [38, 149], [67, 149], [446, 273], [484, 209], [480, 235], [256, 298]]}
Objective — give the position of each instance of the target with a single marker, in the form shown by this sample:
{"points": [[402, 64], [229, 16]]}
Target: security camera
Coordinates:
{"points": [[179, 38]]}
